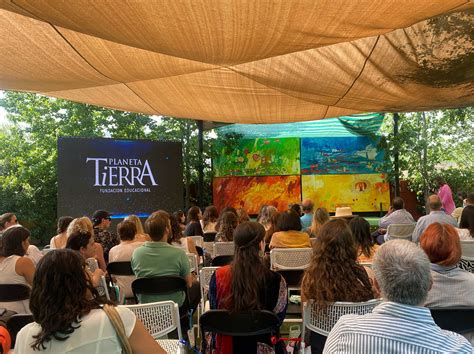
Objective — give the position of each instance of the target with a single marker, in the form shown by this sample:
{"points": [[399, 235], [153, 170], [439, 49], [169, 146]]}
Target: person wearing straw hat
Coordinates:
{"points": [[343, 213]]}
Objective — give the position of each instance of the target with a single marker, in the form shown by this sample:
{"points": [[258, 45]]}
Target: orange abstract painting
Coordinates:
{"points": [[362, 193], [253, 192]]}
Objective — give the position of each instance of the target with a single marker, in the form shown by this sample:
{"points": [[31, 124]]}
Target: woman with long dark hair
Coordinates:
{"points": [[176, 237], [15, 267], [68, 313], [363, 240], [228, 223], [466, 224], [209, 219], [334, 274], [247, 285], [193, 228]]}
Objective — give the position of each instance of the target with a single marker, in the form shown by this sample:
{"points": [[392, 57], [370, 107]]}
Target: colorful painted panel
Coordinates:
{"points": [[252, 192], [341, 155], [360, 192], [257, 157]]}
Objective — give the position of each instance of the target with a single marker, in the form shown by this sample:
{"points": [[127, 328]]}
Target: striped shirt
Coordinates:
{"points": [[393, 328]]}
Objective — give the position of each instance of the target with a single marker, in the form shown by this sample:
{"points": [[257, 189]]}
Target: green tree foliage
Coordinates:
{"points": [[28, 142], [431, 144]]}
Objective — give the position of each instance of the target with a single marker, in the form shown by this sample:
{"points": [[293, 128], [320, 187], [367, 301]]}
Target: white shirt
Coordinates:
{"points": [[8, 275], [95, 335]]}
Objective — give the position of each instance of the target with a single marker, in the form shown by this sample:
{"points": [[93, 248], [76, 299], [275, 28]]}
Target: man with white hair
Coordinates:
{"points": [[400, 324]]}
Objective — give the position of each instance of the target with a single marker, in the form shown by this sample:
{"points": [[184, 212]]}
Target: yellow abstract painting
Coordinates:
{"points": [[365, 192]]}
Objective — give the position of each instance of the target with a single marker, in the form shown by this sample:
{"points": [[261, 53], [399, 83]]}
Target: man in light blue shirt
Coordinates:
{"points": [[435, 215], [307, 218], [400, 324]]}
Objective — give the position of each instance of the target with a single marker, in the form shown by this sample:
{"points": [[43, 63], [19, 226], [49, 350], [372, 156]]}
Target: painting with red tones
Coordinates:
{"points": [[251, 193]]}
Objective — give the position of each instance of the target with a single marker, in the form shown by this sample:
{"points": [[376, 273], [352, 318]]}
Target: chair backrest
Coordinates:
{"points": [[459, 320], [209, 236], [208, 247], [160, 286], [15, 323], [198, 240], [159, 318], [14, 292], [120, 268], [292, 277], [222, 249], [467, 249], [102, 288], [290, 258], [400, 231], [220, 261], [193, 262], [239, 324], [323, 320], [204, 278]]}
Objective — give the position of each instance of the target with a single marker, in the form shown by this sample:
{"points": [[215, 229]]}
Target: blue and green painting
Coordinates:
{"points": [[340, 155]]}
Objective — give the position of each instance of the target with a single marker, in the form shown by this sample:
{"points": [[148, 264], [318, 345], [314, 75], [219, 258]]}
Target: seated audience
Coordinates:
{"points": [[140, 235], [209, 219], [84, 224], [82, 241], [334, 274], [181, 219], [69, 313], [265, 216], [400, 324], [468, 200], [127, 232], [289, 233], [15, 267], [193, 228], [320, 217], [270, 229], [451, 286], [397, 214], [60, 240], [296, 207], [307, 218], [435, 215], [466, 224], [158, 258], [8, 220], [101, 221], [242, 216], [363, 240], [246, 285], [178, 240], [227, 224]]}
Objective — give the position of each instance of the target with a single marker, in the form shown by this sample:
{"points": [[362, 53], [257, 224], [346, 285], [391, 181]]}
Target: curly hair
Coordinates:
{"points": [[334, 274], [61, 295], [227, 225], [176, 233]]}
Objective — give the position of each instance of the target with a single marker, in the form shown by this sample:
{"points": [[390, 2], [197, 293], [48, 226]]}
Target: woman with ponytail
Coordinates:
{"points": [[247, 285]]}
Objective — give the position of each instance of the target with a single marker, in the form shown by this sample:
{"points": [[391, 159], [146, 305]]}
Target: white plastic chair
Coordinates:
{"points": [[161, 318], [46, 249], [467, 256], [193, 262], [93, 265], [204, 278], [290, 258], [400, 232], [323, 321], [198, 240], [222, 249]]}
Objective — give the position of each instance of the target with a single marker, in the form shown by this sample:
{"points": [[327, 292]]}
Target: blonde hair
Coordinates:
{"points": [[320, 217], [136, 220], [83, 224]]}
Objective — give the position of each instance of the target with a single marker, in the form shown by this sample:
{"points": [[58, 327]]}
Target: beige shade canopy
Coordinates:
{"points": [[246, 61]]}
